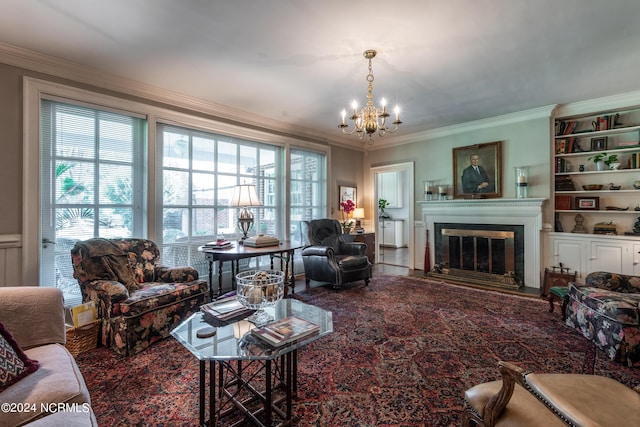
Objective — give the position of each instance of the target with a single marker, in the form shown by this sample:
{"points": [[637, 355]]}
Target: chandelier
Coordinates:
{"points": [[370, 119]]}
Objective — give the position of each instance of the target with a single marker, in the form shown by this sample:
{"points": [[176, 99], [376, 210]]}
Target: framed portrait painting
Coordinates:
{"points": [[477, 171], [347, 193]]}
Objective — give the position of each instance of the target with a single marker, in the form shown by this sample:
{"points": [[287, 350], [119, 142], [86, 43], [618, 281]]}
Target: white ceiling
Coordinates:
{"points": [[299, 62]]}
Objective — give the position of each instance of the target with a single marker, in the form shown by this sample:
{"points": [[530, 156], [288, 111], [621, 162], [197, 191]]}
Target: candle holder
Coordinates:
{"points": [[442, 192], [428, 190], [522, 182]]}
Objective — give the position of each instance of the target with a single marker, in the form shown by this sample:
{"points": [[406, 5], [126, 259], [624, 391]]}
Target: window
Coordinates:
{"points": [[92, 164], [199, 171], [308, 181], [93, 154]]}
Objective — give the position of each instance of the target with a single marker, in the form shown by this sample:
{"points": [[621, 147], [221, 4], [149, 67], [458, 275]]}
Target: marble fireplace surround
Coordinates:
{"points": [[524, 212]]}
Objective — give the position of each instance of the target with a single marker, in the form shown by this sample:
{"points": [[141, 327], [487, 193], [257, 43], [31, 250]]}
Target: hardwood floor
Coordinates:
{"points": [[394, 256]]}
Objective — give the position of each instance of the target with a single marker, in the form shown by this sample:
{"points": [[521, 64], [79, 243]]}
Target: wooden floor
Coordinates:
{"points": [[404, 271]]}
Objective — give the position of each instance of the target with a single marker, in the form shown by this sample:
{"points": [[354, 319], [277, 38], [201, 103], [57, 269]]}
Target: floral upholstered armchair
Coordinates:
{"points": [[606, 310], [138, 300]]}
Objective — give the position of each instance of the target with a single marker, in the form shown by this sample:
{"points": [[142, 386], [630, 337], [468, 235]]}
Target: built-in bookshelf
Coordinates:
{"points": [[604, 195]]}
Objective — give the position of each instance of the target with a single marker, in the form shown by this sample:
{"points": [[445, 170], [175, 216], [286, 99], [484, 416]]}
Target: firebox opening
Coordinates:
{"points": [[484, 253]]}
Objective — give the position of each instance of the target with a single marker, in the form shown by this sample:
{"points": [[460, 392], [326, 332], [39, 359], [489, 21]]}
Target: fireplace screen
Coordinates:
{"points": [[480, 254]]}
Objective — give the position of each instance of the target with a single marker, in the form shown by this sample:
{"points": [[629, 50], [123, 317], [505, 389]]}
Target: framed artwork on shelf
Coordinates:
{"points": [[347, 193], [478, 171], [599, 144], [588, 203]]}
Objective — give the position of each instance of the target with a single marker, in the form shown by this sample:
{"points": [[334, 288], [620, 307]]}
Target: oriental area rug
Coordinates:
{"points": [[403, 351]]}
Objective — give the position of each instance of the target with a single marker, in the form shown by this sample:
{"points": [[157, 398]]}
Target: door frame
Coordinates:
{"points": [[407, 167]]}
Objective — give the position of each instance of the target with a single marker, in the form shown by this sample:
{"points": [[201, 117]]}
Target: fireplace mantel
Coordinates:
{"points": [[525, 212]]}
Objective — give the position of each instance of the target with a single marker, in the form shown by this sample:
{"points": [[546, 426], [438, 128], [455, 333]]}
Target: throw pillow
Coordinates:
{"points": [[14, 364]]}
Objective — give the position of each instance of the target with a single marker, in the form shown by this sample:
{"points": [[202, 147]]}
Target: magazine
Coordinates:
{"points": [[225, 309], [218, 244], [285, 331]]}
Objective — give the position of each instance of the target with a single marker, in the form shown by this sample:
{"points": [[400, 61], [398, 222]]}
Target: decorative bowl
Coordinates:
{"points": [[257, 289], [592, 187]]}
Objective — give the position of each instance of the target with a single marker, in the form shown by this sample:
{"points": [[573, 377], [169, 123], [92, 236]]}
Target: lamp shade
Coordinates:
{"points": [[358, 213], [245, 195]]}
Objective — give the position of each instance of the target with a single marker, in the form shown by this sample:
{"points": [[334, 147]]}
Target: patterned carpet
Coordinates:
{"points": [[403, 351]]}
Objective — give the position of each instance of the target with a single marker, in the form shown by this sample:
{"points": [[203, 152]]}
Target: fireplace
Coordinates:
{"points": [[522, 217], [485, 254]]}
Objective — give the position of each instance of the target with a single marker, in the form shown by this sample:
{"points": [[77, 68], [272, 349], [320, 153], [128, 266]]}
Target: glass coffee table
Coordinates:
{"points": [[253, 378]]}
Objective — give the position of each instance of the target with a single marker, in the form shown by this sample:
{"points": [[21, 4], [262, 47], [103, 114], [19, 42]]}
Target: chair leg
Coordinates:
{"points": [[306, 283]]}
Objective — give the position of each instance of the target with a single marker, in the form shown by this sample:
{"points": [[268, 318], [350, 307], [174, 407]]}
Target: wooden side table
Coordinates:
{"points": [[556, 285], [562, 293], [368, 238]]}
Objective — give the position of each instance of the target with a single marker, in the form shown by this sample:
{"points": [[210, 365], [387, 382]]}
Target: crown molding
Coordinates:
{"points": [[625, 100], [505, 119], [34, 61]]}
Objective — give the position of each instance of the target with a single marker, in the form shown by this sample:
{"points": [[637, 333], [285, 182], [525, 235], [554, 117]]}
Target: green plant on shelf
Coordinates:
{"points": [[607, 159]]}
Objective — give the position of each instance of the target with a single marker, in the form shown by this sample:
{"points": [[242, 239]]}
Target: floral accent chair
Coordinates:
{"points": [[606, 310], [138, 300]]}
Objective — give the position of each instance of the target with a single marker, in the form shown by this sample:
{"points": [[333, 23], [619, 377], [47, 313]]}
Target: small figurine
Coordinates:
{"points": [[612, 186], [579, 227]]}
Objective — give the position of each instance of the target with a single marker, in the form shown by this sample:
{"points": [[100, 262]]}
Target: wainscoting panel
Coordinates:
{"points": [[10, 260]]}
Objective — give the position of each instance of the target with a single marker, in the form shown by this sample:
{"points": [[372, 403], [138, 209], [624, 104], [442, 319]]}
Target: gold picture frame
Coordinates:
{"points": [[486, 182]]}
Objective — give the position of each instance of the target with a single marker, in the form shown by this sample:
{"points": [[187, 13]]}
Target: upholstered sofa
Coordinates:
{"points": [[55, 394], [138, 300], [328, 258], [606, 310]]}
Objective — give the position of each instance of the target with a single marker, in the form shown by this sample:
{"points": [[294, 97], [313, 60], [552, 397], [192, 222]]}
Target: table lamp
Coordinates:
{"points": [[245, 195], [358, 215]]}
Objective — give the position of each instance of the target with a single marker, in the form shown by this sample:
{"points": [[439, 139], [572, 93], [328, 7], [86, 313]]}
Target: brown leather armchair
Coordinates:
{"points": [[328, 258]]}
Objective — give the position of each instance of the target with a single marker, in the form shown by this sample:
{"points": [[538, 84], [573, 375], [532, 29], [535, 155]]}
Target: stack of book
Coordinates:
{"points": [[285, 331], [224, 310], [218, 244]]}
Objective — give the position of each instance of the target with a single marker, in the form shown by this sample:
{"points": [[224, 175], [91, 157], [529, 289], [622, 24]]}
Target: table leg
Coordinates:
{"points": [[203, 373], [292, 279], [220, 263], [210, 280], [294, 373], [289, 383], [268, 399], [212, 393]]}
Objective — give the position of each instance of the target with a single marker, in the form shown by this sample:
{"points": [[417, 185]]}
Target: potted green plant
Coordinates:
{"points": [[382, 204], [603, 160]]}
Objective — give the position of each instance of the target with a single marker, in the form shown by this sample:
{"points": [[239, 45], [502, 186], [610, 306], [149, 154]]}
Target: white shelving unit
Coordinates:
{"points": [[617, 132], [622, 129]]}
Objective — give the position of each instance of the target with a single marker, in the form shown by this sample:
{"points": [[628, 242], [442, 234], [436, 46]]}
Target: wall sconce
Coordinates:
{"points": [[358, 215], [244, 195]]}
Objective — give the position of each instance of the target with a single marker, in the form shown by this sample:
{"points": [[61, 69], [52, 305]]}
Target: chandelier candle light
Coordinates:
{"points": [[244, 195], [370, 119]]}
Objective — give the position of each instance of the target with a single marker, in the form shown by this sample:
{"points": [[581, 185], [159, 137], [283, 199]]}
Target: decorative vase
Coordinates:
{"points": [[600, 166], [522, 182], [346, 229]]}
